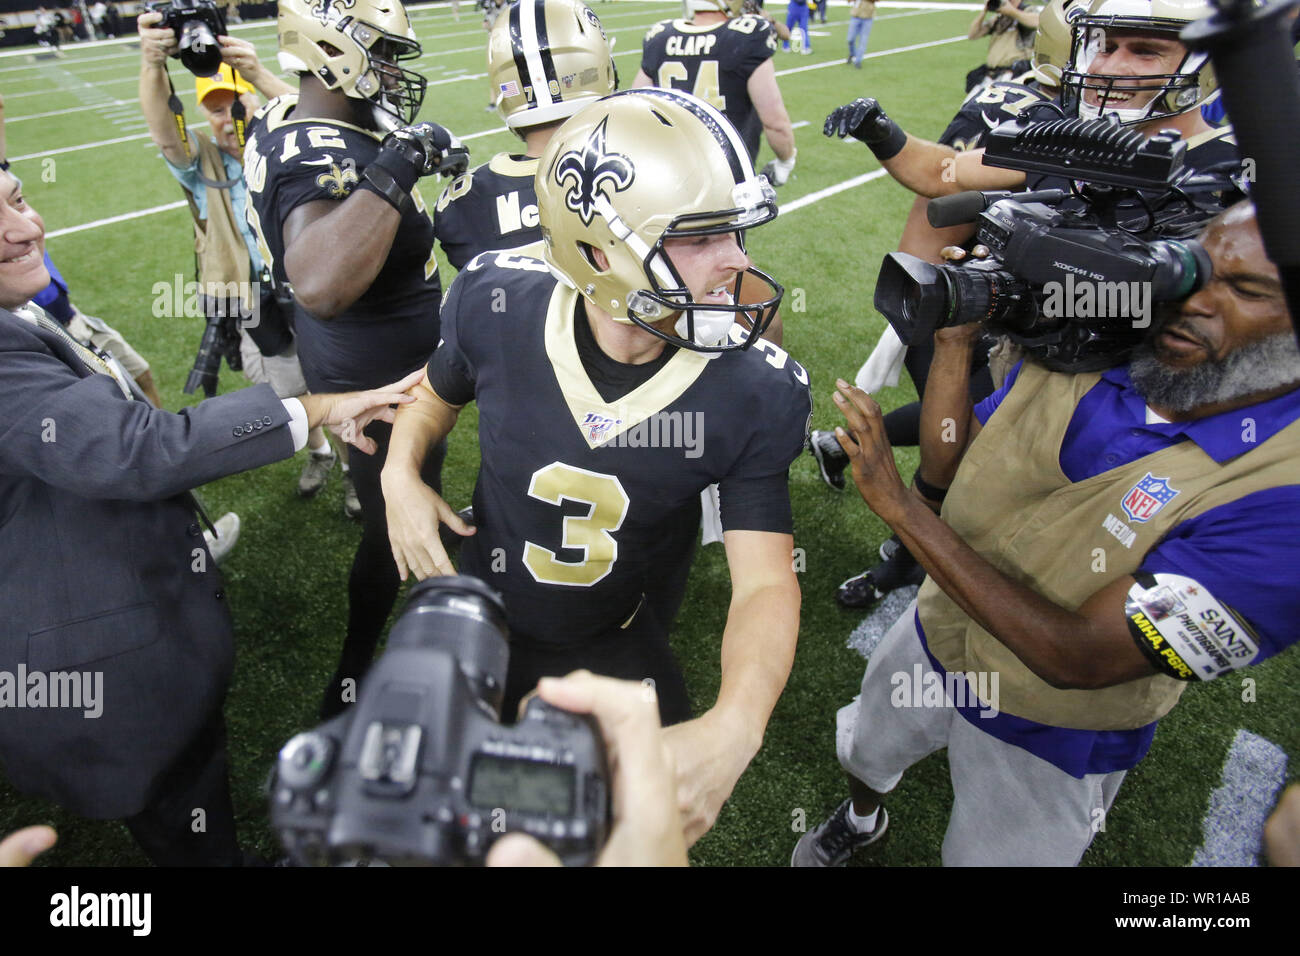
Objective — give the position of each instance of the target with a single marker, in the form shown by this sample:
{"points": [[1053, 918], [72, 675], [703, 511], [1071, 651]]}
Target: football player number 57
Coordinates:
{"points": [[590, 533]]}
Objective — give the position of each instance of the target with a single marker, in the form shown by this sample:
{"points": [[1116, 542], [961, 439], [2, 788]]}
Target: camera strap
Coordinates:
{"points": [[178, 114], [237, 112]]}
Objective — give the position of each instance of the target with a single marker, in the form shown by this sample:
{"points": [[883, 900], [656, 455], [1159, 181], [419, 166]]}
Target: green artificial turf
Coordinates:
{"points": [[287, 578]]}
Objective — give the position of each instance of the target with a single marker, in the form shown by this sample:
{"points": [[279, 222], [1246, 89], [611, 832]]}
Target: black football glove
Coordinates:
{"points": [[409, 152], [864, 120]]}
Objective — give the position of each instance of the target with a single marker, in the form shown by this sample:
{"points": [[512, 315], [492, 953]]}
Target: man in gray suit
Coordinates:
{"points": [[115, 639]]}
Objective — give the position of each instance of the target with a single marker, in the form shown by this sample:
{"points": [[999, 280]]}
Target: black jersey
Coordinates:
{"points": [[577, 496], [391, 329], [989, 106], [492, 207], [713, 62]]}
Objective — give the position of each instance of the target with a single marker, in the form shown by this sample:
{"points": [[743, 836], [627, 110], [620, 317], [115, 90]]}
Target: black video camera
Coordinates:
{"points": [[421, 772], [197, 24], [1068, 278], [992, 6]]}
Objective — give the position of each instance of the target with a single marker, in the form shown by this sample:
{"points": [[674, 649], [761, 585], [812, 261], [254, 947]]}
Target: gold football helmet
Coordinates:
{"points": [[354, 46], [632, 171], [546, 60], [1052, 41], [1188, 88]]}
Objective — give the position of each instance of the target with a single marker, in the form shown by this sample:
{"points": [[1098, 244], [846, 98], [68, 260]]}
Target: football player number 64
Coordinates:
{"points": [[590, 533]]}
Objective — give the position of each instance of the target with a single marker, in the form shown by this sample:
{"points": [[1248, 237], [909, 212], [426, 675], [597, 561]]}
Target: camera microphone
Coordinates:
{"points": [[963, 208]]}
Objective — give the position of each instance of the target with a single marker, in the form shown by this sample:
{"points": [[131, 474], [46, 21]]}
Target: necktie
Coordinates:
{"points": [[100, 364]]}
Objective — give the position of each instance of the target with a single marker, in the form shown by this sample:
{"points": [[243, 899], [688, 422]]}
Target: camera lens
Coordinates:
{"points": [[200, 53], [464, 617]]}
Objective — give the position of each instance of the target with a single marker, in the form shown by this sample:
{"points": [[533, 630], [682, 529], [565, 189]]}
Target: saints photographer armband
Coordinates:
{"points": [[1184, 631]]}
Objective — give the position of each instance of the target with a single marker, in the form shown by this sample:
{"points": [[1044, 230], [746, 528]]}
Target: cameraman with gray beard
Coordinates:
{"points": [[1106, 538]]}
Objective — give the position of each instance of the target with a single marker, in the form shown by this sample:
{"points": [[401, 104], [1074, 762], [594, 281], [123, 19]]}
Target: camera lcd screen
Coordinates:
{"points": [[524, 785]]}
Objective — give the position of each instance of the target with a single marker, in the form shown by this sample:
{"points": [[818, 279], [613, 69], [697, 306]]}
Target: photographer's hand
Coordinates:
{"points": [[874, 472], [22, 846], [242, 57], [156, 44], [647, 830]]}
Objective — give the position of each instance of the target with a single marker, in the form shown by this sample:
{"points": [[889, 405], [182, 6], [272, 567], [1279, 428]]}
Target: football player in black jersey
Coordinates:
{"points": [[724, 57], [612, 388], [329, 188], [1128, 64], [546, 60], [1124, 58]]}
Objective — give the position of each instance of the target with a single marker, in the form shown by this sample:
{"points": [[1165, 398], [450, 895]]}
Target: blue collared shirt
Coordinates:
{"points": [[1235, 550], [188, 177]]}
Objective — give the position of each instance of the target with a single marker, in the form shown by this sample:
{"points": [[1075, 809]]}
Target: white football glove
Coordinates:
{"points": [[778, 170]]}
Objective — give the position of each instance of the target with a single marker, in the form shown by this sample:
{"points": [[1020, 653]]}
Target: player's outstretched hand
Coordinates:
{"points": [[414, 513], [708, 765], [22, 846], [869, 451], [647, 830], [865, 120], [348, 413]]}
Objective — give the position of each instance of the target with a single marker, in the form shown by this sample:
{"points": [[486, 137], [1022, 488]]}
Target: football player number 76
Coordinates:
{"points": [[590, 533]]}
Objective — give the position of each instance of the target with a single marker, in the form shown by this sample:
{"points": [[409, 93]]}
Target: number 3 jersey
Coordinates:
{"points": [[580, 501], [713, 62], [391, 329]]}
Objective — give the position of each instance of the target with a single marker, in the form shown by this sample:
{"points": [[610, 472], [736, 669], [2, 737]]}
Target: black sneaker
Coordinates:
{"points": [[835, 840], [831, 460], [897, 569]]}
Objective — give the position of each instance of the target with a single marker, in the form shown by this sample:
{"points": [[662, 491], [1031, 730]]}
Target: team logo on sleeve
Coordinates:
{"points": [[592, 171], [1145, 499], [338, 180]]}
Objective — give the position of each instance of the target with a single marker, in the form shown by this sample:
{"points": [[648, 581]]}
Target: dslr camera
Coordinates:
{"points": [[1073, 274], [197, 24], [421, 772]]}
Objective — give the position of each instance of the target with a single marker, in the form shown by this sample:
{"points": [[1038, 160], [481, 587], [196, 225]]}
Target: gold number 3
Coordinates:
{"points": [[589, 533]]}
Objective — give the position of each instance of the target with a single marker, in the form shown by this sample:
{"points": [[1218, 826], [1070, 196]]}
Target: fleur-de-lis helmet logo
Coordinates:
{"points": [[323, 8], [591, 171]]}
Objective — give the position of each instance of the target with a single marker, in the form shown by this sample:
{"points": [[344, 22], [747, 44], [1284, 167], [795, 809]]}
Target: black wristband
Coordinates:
{"points": [[4, 165], [891, 145], [929, 491], [402, 161], [380, 181]]}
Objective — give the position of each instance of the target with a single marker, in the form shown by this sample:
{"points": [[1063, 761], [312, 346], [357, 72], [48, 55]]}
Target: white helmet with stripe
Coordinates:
{"points": [[546, 60], [1136, 98], [628, 173]]}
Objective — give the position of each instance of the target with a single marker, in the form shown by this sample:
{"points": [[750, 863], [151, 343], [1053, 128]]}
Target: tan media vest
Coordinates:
{"points": [[1012, 503], [218, 244]]}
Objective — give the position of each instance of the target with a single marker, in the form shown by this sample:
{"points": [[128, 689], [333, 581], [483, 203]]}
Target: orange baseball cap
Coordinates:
{"points": [[223, 79]]}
